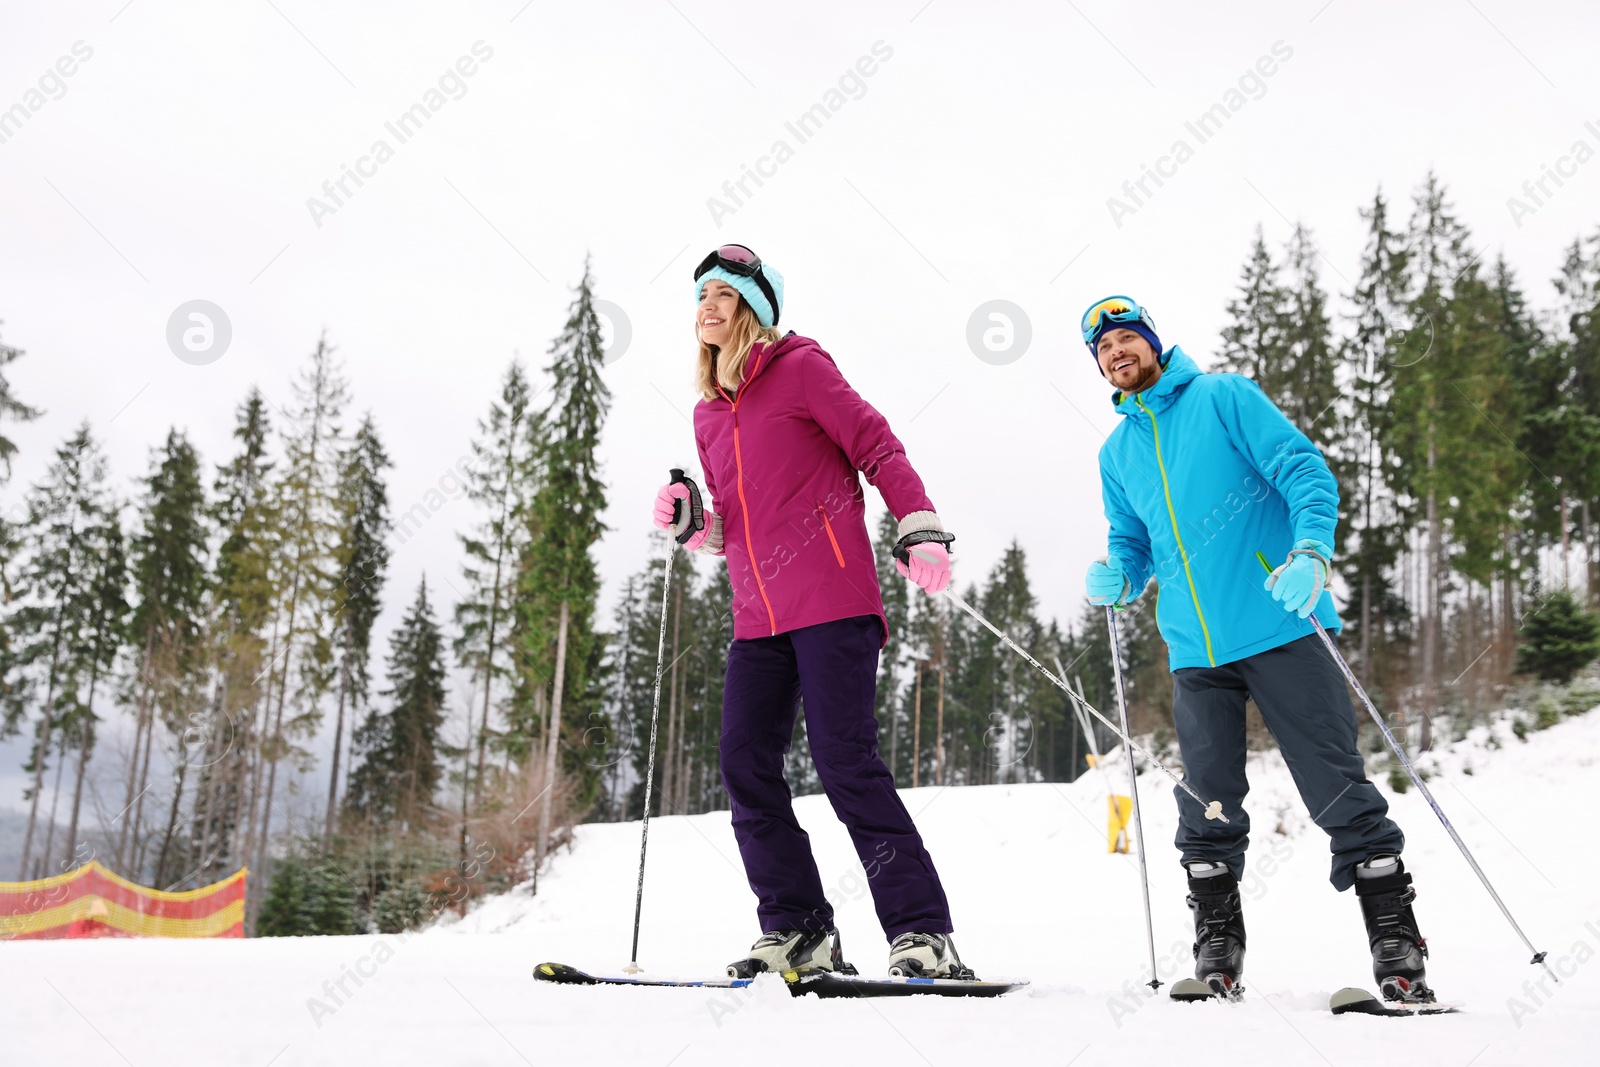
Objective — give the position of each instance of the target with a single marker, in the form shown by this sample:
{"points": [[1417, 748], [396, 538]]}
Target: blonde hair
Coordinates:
{"points": [[725, 367]]}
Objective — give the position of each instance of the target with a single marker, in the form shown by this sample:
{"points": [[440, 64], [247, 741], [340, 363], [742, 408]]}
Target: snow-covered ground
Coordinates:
{"points": [[1034, 893]]}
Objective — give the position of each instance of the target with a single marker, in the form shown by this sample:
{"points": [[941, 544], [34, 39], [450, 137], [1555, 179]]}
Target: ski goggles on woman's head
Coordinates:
{"points": [[735, 259], [1113, 309]]}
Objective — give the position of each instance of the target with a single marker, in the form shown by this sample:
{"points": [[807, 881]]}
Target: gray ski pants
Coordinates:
{"points": [[1303, 700]]}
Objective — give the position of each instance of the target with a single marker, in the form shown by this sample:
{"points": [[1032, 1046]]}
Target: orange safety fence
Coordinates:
{"points": [[92, 901]]}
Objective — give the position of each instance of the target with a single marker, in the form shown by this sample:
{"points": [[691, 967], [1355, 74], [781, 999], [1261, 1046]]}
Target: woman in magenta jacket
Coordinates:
{"points": [[781, 437]]}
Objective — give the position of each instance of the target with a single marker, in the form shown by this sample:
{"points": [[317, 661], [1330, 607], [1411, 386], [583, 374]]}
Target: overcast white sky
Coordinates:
{"points": [[974, 163]]}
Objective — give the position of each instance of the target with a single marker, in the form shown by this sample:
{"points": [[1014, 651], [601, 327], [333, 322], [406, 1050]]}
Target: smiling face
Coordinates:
{"points": [[713, 318], [1127, 360]]}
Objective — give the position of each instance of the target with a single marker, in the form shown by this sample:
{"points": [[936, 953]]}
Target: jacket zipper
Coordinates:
{"points": [[1172, 514], [834, 541], [744, 507]]}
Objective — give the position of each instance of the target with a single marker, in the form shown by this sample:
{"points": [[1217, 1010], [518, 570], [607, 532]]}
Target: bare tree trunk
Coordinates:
{"points": [[894, 731], [552, 741], [938, 762], [338, 734], [264, 839], [1566, 545], [258, 728], [1588, 555], [466, 792], [140, 718], [45, 729], [488, 657], [1508, 609], [55, 802], [916, 731], [1366, 567], [160, 881], [138, 840]]}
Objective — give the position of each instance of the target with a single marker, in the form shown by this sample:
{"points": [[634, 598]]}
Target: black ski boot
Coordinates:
{"points": [[1218, 927], [1384, 889], [792, 950]]}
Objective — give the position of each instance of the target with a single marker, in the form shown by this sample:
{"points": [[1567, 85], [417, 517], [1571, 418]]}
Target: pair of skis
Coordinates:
{"points": [[823, 984], [829, 984], [1349, 1000]]}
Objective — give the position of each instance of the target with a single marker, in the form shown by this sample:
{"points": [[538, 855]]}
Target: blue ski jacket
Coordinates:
{"points": [[1201, 474]]}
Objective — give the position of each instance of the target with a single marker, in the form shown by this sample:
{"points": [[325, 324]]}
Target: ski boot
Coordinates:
{"points": [[927, 956], [1384, 889], [792, 950], [1218, 927]]}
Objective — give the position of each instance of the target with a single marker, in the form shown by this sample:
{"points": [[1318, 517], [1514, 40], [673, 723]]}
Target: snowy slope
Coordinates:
{"points": [[1034, 894]]}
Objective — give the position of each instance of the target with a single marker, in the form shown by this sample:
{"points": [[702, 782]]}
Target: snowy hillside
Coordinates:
{"points": [[1034, 893]]}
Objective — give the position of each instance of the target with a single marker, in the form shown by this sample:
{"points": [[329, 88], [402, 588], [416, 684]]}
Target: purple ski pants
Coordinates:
{"points": [[833, 668]]}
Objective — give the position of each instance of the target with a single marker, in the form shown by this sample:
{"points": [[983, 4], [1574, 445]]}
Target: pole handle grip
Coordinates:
{"points": [[697, 515]]}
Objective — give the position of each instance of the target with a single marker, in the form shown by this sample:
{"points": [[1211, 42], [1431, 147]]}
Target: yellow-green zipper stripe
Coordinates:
{"points": [[1173, 515]]}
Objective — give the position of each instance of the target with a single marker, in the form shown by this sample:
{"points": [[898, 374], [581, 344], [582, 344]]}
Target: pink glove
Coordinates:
{"points": [[930, 566], [667, 500]]}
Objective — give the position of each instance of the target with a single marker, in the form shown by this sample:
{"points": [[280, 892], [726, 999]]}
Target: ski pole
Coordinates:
{"points": [[1422, 787], [655, 711], [1213, 808], [1133, 788]]}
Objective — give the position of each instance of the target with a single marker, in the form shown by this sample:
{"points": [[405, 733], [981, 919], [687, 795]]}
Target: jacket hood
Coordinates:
{"points": [[1179, 372]]}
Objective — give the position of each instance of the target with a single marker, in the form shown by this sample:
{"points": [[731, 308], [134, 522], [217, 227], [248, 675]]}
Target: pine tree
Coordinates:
{"points": [[625, 695], [56, 602], [1369, 522], [1559, 639], [309, 896], [363, 561], [1439, 259], [1310, 387], [1565, 437], [244, 514], [169, 552], [306, 499], [11, 408], [1252, 341], [398, 773], [1010, 691], [498, 481], [100, 643], [557, 579]]}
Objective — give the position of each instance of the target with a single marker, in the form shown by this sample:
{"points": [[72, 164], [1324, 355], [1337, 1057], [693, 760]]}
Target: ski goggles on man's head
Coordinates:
{"points": [[739, 260], [1113, 310]]}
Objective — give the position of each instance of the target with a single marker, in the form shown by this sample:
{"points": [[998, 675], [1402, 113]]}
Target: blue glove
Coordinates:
{"points": [[1298, 583], [1107, 584]]}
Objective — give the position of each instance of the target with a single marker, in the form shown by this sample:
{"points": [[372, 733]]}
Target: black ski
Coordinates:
{"points": [[562, 974], [1352, 999], [830, 984], [823, 984]]}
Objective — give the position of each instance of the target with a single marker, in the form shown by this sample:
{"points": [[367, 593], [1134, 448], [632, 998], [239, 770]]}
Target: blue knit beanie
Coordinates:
{"points": [[1137, 327], [766, 314]]}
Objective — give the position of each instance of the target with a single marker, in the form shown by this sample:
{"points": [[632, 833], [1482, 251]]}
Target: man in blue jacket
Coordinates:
{"points": [[1202, 473]]}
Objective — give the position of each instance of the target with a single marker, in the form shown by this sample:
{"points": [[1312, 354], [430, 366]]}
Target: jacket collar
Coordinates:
{"points": [[761, 356], [1180, 371]]}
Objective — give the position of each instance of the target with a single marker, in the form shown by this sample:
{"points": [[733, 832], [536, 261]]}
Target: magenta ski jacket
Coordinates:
{"points": [[780, 458]]}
